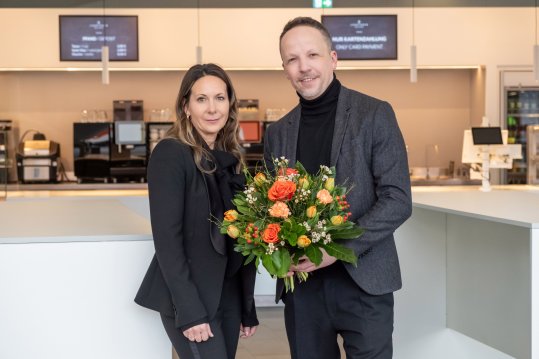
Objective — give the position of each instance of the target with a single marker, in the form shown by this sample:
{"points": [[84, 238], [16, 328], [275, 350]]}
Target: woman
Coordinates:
{"points": [[196, 280]]}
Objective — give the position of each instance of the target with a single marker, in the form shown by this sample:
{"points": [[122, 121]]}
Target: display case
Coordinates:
{"points": [[533, 154], [521, 110]]}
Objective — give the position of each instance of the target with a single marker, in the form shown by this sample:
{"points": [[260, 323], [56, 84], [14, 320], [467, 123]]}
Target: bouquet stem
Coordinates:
{"points": [[289, 281]]}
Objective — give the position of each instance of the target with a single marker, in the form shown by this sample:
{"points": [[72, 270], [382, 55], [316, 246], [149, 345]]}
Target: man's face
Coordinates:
{"points": [[307, 61]]}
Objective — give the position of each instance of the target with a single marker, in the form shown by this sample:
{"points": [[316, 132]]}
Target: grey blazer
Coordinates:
{"points": [[369, 154]]}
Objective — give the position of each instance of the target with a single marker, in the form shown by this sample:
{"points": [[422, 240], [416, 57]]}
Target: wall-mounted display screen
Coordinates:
{"points": [[81, 37], [363, 37]]}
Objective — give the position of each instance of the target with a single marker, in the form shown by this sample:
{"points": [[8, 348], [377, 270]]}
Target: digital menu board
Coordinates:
{"points": [[82, 36], [363, 37]]}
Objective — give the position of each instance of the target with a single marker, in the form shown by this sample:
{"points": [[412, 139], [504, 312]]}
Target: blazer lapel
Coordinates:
{"points": [[292, 131], [341, 121]]}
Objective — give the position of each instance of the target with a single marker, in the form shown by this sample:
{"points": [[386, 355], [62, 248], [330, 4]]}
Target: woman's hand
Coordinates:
{"points": [[198, 333], [246, 332]]}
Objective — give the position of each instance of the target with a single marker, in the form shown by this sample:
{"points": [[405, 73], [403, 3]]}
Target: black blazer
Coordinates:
{"points": [[186, 274], [369, 154]]}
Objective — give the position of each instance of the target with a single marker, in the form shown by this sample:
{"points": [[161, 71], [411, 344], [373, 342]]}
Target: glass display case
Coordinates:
{"points": [[521, 110]]}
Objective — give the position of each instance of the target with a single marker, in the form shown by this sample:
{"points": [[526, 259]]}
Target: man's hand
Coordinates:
{"points": [[305, 265], [246, 332], [198, 333]]}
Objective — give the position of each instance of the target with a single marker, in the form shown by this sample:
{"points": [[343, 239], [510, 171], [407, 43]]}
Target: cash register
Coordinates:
{"points": [[37, 160]]}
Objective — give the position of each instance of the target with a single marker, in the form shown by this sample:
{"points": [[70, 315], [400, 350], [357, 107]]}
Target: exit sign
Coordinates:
{"points": [[322, 4]]}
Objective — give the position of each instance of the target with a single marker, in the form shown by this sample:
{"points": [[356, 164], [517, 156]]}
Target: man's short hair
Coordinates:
{"points": [[307, 21]]}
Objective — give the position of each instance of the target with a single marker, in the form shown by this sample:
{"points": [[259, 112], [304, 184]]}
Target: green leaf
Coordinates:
{"points": [[314, 254], [267, 262], [281, 261], [245, 210], [347, 233], [341, 252], [249, 259], [292, 239]]}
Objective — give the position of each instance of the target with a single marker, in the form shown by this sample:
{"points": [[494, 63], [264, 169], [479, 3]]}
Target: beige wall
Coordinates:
{"points": [[435, 113], [451, 100]]}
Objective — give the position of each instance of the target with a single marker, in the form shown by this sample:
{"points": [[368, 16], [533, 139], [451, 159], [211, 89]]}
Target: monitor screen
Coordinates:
{"points": [[129, 133], [363, 37], [487, 136], [81, 37]]}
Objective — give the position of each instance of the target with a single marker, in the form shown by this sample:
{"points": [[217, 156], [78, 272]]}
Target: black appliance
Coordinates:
{"points": [[91, 151], [128, 110], [8, 148], [110, 151], [128, 152]]}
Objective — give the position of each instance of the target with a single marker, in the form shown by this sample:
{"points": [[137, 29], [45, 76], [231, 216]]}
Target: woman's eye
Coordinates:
{"points": [[201, 99], [221, 98]]}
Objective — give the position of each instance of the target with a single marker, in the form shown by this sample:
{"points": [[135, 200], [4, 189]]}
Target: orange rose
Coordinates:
{"points": [[324, 196], [287, 172], [271, 232], [281, 190], [279, 209], [231, 215]]}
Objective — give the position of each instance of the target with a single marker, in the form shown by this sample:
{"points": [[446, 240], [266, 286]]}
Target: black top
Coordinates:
{"points": [[221, 186], [316, 128]]}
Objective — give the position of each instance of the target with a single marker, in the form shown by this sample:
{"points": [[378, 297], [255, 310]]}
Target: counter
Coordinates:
{"points": [[71, 263], [470, 265]]}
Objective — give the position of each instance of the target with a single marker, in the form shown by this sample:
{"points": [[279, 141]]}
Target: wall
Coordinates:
{"points": [[435, 113], [247, 39]]}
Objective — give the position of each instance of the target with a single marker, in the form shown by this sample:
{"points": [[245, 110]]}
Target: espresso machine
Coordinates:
{"points": [[128, 149]]}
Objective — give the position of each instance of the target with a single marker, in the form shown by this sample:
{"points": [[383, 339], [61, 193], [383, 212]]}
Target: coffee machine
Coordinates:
{"points": [[128, 150], [112, 151], [91, 151]]}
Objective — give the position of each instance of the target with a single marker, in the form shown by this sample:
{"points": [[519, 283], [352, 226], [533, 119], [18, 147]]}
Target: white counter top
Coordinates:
{"points": [[516, 205], [83, 216]]}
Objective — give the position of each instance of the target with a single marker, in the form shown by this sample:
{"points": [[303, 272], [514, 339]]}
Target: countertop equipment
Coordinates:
{"points": [[37, 160], [8, 135]]}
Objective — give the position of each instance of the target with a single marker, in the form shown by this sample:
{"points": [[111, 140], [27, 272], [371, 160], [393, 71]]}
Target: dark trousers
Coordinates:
{"points": [[225, 327], [330, 303]]}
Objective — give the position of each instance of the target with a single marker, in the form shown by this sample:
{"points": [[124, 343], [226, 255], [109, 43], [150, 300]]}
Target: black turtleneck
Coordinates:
{"points": [[316, 128]]}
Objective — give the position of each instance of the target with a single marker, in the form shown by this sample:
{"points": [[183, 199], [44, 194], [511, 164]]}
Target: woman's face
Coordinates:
{"points": [[208, 107]]}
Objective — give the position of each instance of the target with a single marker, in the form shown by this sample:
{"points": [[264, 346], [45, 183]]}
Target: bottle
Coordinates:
{"points": [[511, 129]]}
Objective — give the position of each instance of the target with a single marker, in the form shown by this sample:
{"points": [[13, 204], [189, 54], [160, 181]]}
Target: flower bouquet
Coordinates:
{"points": [[284, 216]]}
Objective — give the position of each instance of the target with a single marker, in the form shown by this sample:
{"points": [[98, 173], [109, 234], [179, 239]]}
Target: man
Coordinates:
{"points": [[359, 135]]}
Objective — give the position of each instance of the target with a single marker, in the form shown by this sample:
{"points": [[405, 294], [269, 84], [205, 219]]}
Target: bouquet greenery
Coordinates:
{"points": [[283, 216]]}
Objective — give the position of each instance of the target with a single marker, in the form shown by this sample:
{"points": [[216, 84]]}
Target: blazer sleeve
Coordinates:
{"points": [[167, 185], [389, 169]]}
